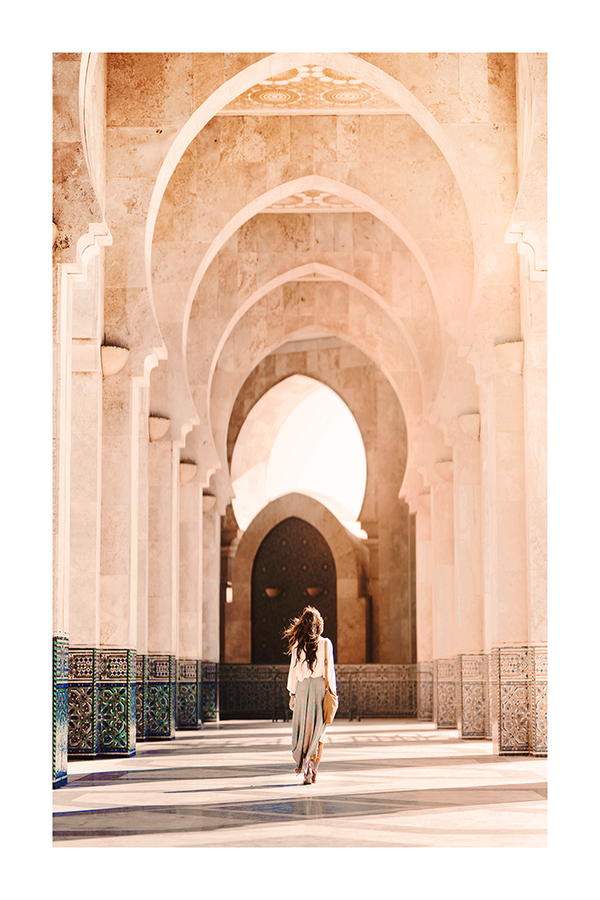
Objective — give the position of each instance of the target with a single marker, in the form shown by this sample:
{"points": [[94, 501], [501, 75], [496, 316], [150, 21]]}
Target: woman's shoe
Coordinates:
{"points": [[314, 765], [308, 777]]}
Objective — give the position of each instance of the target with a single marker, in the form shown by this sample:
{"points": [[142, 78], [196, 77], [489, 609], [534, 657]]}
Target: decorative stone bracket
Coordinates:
{"points": [[470, 425], [113, 359], [511, 356], [208, 502], [187, 470], [445, 469], [158, 427]]}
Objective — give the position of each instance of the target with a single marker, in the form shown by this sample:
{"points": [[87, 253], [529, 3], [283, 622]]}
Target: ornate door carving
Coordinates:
{"points": [[293, 568]]}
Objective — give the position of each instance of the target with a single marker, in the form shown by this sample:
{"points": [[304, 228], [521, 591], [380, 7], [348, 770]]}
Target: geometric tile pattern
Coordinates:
{"points": [[473, 695], [518, 683], [371, 690], [83, 703], [141, 688], [444, 693], [538, 701], [60, 723], [161, 697], [101, 703], [116, 692], [252, 692], [189, 694], [210, 692], [384, 690], [425, 691]]}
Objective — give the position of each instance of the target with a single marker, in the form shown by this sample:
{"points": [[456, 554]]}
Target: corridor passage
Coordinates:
{"points": [[381, 783]]}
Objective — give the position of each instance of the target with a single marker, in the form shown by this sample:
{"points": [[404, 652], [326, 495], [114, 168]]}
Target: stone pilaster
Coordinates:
{"points": [[518, 680], [425, 691], [60, 704], [161, 697], [473, 696], [189, 694], [444, 693]]}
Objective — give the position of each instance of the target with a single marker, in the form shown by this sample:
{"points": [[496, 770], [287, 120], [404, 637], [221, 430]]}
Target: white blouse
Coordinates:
{"points": [[299, 669]]}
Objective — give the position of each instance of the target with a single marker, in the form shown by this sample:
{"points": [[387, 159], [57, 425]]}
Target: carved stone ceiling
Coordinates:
{"points": [[311, 90]]}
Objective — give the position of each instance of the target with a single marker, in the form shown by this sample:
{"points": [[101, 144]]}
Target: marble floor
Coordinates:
{"points": [[381, 783]]}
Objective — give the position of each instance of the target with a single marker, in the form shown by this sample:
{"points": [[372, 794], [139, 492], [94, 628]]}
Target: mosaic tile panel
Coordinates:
{"points": [[444, 693], [60, 710], [116, 702], [472, 696], [189, 694], [141, 685], [210, 692], [538, 701], [518, 679], [83, 703], [425, 691], [161, 697]]}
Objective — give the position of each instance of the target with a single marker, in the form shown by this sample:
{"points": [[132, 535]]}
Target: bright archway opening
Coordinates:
{"points": [[300, 437]]}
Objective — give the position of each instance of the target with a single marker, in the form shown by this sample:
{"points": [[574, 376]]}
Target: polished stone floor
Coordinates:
{"points": [[381, 783]]}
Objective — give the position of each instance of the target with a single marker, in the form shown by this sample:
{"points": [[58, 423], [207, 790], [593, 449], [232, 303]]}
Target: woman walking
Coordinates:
{"points": [[306, 685]]}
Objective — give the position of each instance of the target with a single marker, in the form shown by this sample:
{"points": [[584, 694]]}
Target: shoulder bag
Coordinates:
{"points": [[330, 700]]}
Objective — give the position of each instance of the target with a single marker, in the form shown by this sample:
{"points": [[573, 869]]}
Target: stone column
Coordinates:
{"points": [[61, 457], [505, 556], [163, 587], [472, 707], [85, 506], [118, 565], [211, 578], [189, 675], [142, 568], [424, 586], [444, 615], [84, 622]]}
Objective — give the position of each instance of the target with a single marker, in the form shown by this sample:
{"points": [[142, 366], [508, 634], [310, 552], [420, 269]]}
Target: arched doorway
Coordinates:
{"points": [[293, 568]]}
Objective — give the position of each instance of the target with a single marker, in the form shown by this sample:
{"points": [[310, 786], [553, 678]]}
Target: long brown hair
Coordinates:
{"points": [[303, 633]]}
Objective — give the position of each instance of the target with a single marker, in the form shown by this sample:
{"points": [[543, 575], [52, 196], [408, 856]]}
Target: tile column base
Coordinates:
{"points": [[102, 703], [161, 697], [473, 696], [141, 693], [518, 682], [210, 692], [60, 710], [425, 691], [444, 693], [83, 703], [189, 694], [116, 703]]}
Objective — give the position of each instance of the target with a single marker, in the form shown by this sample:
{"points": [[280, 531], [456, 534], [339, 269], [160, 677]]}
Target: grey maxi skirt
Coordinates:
{"points": [[307, 721]]}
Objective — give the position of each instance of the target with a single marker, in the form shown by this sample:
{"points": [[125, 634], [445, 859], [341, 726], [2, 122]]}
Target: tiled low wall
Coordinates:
{"points": [[376, 691]]}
